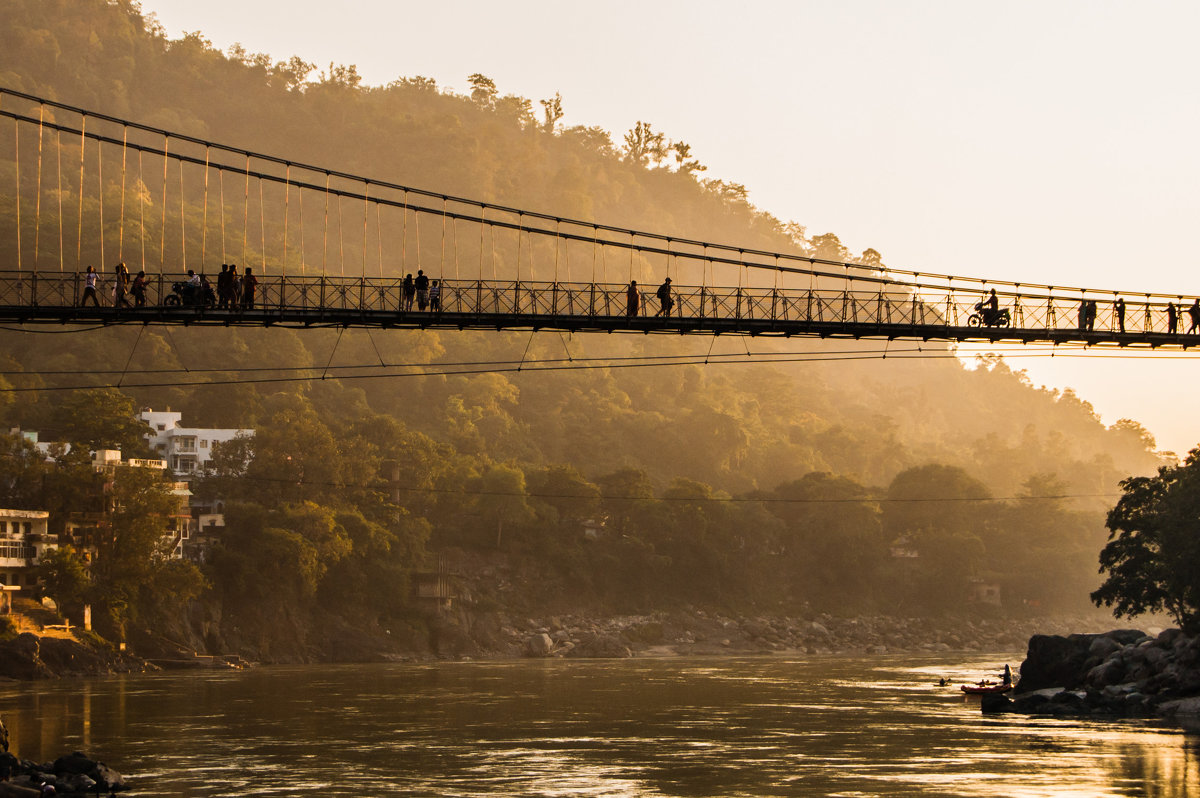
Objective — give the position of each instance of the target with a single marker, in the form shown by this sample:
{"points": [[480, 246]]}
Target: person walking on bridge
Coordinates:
{"points": [[138, 289], [1194, 314], [122, 286], [1119, 309], [633, 299], [664, 298], [89, 287], [1172, 319]]}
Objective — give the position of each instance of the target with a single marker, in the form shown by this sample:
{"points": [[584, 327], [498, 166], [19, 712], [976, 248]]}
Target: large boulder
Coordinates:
{"points": [[21, 658], [539, 645], [1057, 661]]}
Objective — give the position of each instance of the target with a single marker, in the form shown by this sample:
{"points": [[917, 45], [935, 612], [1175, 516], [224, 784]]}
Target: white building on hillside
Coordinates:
{"points": [[186, 449], [24, 537]]}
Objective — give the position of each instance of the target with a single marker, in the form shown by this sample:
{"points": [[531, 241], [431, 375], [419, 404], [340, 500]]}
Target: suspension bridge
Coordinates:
{"points": [[328, 248]]}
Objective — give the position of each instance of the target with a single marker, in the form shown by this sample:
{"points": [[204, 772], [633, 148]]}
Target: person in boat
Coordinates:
{"points": [[1007, 675]]}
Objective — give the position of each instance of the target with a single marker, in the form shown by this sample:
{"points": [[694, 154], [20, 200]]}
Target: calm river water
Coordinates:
{"points": [[644, 727]]}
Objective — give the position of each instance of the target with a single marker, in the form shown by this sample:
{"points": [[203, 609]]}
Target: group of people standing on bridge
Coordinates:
{"points": [[233, 290], [426, 293]]}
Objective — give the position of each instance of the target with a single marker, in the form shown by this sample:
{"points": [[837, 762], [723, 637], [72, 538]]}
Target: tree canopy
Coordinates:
{"points": [[1152, 559]]}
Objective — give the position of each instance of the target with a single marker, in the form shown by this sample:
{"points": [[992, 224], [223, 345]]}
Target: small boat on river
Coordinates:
{"points": [[986, 687]]}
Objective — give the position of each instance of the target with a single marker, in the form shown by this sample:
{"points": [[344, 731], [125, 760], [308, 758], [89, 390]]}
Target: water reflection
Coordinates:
{"points": [[752, 727]]}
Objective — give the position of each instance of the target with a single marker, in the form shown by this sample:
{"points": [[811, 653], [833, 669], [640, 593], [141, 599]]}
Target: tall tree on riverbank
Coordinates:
{"points": [[1153, 554]]}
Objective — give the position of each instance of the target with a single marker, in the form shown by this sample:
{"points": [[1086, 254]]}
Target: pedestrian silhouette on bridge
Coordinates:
{"points": [[249, 283], [1172, 319], [235, 287], [633, 298], [89, 287], [422, 286], [1119, 309], [1194, 314], [1090, 314], [664, 298], [122, 286], [435, 297], [138, 289], [224, 290], [408, 292]]}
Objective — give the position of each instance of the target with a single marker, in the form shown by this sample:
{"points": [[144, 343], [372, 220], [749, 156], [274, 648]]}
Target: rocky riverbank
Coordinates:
{"points": [[466, 634], [28, 656], [1125, 673], [74, 774], [701, 633]]}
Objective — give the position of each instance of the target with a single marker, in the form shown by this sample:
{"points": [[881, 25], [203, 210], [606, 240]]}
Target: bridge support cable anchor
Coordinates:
{"points": [[333, 351], [129, 359]]}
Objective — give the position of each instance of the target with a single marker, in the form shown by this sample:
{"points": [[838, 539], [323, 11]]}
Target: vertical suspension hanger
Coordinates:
{"points": [[454, 238], [262, 227], [595, 246], [100, 194], [246, 213], [302, 258], [567, 258], [366, 216], [557, 243], [404, 233], [417, 234], [204, 215], [483, 226], [141, 211], [287, 199], [221, 200], [631, 256], [492, 238], [325, 239], [58, 153], [121, 224], [379, 237], [82, 152], [442, 263], [162, 250], [17, 158], [520, 225], [182, 221], [37, 217], [341, 238]]}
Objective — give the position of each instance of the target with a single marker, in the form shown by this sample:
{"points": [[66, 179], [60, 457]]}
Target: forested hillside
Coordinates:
{"points": [[819, 458]]}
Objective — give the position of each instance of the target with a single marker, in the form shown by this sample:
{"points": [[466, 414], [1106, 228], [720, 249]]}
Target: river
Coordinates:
{"points": [[767, 726]]}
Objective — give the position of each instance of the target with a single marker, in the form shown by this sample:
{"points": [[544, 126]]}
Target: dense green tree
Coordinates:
{"points": [[134, 547], [64, 577], [1152, 560]]}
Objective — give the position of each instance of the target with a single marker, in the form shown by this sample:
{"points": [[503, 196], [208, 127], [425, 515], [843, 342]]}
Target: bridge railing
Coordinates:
{"points": [[883, 306]]}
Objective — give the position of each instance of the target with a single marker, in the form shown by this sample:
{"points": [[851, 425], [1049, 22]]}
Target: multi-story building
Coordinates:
{"points": [[186, 449], [24, 537]]}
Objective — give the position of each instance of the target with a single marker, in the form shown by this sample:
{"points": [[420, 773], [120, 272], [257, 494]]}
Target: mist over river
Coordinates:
{"points": [[768, 726]]}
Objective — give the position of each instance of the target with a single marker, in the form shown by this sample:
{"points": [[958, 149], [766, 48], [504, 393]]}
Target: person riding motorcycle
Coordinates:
{"points": [[989, 309]]}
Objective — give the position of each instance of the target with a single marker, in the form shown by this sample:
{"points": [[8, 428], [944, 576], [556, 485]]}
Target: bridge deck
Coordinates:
{"points": [[54, 298]]}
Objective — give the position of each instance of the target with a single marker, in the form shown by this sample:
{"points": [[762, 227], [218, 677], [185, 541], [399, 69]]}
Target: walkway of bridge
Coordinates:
{"points": [[887, 312], [95, 189]]}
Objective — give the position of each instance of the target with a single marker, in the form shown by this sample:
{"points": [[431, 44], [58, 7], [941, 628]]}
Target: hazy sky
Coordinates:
{"points": [[1050, 142]]}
